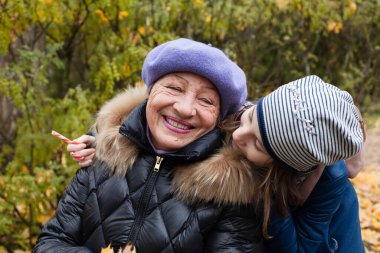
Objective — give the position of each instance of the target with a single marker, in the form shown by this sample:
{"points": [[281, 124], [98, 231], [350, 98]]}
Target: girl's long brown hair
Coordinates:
{"points": [[272, 185]]}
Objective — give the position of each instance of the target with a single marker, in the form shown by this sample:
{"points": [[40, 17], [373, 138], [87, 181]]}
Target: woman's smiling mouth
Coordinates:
{"points": [[177, 126]]}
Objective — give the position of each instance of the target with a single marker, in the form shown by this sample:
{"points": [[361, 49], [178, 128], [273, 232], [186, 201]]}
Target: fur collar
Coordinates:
{"points": [[224, 178]]}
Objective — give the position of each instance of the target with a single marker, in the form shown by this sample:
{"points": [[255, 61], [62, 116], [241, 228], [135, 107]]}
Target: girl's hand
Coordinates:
{"points": [[309, 183], [355, 164], [80, 153]]}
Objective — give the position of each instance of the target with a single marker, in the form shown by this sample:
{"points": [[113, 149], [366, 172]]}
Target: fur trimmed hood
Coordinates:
{"points": [[224, 178]]}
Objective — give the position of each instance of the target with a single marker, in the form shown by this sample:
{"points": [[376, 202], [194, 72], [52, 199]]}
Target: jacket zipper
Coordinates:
{"points": [[144, 201]]}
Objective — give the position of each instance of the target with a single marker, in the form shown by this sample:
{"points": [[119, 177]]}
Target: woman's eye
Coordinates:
{"points": [[207, 101], [176, 88]]}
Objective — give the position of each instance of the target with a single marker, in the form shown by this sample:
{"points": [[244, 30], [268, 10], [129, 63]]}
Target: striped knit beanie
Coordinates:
{"points": [[308, 122]]}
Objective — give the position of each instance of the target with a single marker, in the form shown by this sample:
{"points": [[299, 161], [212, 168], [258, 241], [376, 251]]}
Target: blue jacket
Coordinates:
{"points": [[327, 222]]}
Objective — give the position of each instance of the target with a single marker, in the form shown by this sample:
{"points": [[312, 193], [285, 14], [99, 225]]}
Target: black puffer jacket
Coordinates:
{"points": [[179, 202]]}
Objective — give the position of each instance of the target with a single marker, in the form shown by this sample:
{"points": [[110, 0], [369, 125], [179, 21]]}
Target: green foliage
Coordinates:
{"points": [[35, 173], [61, 60]]}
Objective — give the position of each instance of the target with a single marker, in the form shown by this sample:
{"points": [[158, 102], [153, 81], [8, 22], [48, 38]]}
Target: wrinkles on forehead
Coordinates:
{"points": [[207, 85]]}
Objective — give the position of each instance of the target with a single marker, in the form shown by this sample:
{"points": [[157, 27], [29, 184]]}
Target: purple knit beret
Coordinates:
{"points": [[185, 55]]}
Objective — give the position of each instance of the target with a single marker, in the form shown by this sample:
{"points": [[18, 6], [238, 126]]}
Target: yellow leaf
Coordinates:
{"points": [[282, 4], [198, 3], [377, 215], [330, 25], [141, 30], [125, 70], [127, 249], [24, 169], [338, 27], [365, 203], [123, 14], [208, 18], [42, 218], [41, 16], [107, 250], [371, 236], [352, 6], [102, 15], [299, 6], [376, 225]]}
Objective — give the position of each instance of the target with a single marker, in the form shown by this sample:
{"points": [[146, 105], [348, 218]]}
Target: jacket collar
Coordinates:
{"points": [[223, 178]]}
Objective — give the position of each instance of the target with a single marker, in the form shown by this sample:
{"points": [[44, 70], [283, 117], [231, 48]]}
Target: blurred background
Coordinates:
{"points": [[61, 60]]}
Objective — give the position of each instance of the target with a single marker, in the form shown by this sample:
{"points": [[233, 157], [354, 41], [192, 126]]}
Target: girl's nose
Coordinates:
{"points": [[237, 136]]}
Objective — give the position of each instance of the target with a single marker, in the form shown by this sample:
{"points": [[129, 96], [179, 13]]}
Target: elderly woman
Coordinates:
{"points": [[150, 187]]}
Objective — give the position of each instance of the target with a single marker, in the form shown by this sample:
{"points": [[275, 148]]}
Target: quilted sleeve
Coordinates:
{"points": [[62, 233], [237, 230]]}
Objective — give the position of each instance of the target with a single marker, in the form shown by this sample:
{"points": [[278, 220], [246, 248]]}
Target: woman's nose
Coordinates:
{"points": [[185, 107]]}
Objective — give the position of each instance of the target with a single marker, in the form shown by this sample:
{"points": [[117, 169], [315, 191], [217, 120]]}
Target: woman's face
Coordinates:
{"points": [[181, 108], [247, 139]]}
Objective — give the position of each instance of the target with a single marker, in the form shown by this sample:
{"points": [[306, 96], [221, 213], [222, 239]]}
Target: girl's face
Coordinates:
{"points": [[247, 139]]}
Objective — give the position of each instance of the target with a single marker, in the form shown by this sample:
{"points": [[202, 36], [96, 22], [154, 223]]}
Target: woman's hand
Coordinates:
{"points": [[87, 154]]}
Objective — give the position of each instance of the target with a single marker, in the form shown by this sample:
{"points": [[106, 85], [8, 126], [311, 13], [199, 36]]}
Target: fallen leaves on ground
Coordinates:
{"points": [[367, 185], [127, 249]]}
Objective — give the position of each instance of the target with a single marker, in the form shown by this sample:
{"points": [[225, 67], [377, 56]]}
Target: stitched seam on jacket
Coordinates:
{"points": [[162, 215]]}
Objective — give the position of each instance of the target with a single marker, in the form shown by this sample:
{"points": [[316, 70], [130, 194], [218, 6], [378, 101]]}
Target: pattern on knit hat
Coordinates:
{"points": [[308, 122], [184, 55]]}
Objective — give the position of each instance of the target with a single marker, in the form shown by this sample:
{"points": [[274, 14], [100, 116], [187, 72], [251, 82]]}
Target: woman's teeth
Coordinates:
{"points": [[177, 125]]}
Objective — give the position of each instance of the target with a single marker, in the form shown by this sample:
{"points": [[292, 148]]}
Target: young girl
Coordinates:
{"points": [[292, 133], [289, 137]]}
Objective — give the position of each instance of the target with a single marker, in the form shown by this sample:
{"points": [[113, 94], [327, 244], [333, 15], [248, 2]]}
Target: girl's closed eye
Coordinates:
{"points": [[259, 145]]}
